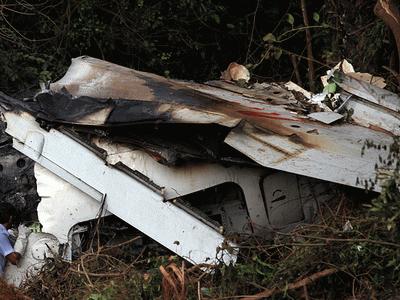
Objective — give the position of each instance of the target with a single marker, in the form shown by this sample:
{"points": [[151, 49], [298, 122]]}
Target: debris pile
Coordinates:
{"points": [[89, 275], [197, 167]]}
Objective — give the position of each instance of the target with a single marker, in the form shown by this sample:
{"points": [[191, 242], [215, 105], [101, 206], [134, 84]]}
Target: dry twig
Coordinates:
{"points": [[292, 286]]}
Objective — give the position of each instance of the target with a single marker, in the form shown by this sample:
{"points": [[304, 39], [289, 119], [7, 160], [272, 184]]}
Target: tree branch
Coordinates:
{"points": [[292, 286], [388, 11], [311, 72]]}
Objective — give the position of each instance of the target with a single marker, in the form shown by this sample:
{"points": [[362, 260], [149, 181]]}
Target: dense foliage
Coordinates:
{"points": [[189, 39], [351, 245]]}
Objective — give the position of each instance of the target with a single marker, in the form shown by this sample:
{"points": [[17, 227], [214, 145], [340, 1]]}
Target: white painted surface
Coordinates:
{"points": [[371, 115], [339, 160], [370, 92], [283, 200], [62, 205], [39, 246], [193, 177], [326, 117], [126, 197]]}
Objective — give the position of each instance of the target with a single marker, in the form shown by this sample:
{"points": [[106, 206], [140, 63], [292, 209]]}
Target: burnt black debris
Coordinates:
{"points": [[17, 180], [139, 124]]}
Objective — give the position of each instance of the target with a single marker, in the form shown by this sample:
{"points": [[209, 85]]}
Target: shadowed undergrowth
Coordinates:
{"points": [[349, 253]]}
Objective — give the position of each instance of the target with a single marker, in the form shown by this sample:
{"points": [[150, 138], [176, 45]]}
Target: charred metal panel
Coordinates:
{"points": [[274, 130], [63, 108], [338, 160]]}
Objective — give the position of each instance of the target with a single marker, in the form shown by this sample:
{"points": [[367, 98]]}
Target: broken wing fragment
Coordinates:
{"points": [[109, 100]]}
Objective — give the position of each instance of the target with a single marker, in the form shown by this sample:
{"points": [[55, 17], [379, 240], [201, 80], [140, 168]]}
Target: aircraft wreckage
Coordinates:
{"points": [[188, 164]]}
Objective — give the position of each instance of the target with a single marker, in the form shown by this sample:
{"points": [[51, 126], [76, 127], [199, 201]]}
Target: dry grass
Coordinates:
{"points": [[8, 292], [325, 260]]}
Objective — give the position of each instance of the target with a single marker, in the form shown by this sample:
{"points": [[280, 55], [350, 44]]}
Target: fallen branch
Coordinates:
{"points": [[108, 248], [343, 240], [388, 11], [90, 274], [292, 286]]}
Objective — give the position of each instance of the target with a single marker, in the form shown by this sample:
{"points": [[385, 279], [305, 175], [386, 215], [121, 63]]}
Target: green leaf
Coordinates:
{"points": [[216, 18], [270, 37], [290, 19], [206, 292], [97, 297], [316, 17], [36, 227], [330, 88]]}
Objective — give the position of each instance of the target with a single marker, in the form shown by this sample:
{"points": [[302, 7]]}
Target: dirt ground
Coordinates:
{"points": [[8, 292]]}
